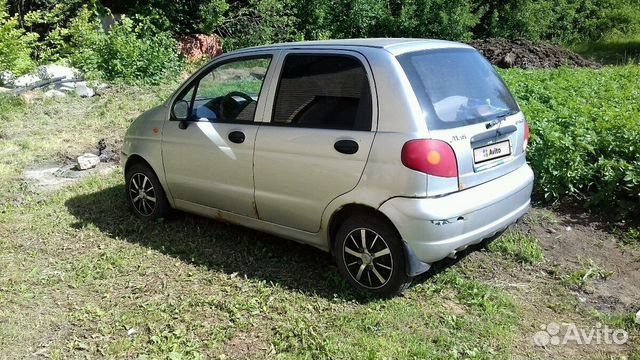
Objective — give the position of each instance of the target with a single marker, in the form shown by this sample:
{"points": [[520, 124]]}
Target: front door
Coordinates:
{"points": [[208, 158], [317, 142]]}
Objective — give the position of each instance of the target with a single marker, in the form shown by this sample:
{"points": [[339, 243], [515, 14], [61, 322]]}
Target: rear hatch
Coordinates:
{"points": [[467, 105]]}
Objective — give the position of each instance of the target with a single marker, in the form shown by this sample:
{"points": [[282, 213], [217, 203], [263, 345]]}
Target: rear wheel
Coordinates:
{"points": [[370, 256], [145, 195]]}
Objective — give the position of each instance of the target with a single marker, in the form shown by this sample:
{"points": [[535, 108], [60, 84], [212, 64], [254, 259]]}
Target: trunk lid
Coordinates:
{"points": [[467, 105]]}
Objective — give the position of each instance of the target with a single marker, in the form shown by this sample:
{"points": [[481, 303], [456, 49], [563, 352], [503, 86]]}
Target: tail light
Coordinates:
{"points": [[526, 136], [433, 157]]}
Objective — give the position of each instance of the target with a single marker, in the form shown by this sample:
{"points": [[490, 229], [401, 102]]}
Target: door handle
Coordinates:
{"points": [[346, 146], [236, 137]]}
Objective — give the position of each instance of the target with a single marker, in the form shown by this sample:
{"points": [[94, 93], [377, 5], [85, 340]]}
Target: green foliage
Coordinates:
{"points": [[15, 44], [523, 248], [585, 134], [130, 52], [565, 21], [353, 19], [51, 19], [213, 15], [586, 274], [451, 20], [258, 23], [445, 19], [178, 17]]}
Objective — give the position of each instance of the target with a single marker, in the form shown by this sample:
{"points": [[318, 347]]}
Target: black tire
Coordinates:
{"points": [[153, 204], [381, 275]]}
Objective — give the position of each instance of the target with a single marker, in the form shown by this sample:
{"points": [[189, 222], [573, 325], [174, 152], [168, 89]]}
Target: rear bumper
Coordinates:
{"points": [[435, 227]]}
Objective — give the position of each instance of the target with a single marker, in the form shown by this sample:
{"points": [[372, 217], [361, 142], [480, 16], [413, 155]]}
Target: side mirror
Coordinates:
{"points": [[180, 110]]}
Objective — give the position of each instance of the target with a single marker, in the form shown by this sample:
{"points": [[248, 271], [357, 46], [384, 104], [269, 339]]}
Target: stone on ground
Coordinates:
{"points": [[7, 78], [26, 80], [83, 90], [54, 71], [87, 161]]}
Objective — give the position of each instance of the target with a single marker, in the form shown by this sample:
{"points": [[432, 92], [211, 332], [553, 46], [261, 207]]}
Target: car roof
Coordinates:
{"points": [[395, 46]]}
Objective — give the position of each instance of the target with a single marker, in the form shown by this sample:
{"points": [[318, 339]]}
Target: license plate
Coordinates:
{"points": [[491, 152]]}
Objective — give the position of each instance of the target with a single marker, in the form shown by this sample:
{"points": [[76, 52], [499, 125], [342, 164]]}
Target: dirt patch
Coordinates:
{"points": [[569, 238], [577, 236], [109, 150], [251, 345], [50, 177], [527, 55]]}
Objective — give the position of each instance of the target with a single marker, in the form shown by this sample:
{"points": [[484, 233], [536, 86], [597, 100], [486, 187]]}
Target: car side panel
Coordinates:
{"points": [[144, 139]]}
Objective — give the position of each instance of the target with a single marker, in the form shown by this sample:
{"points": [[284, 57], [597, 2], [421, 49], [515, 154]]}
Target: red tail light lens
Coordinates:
{"points": [[433, 157], [526, 136]]}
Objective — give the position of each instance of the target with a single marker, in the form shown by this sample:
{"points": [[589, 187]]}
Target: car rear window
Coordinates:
{"points": [[457, 87]]}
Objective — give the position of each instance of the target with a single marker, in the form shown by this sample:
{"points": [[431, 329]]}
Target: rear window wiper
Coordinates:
{"points": [[500, 118]]}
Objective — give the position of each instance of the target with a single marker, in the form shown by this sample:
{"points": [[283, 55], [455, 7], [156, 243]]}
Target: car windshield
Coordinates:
{"points": [[457, 87]]}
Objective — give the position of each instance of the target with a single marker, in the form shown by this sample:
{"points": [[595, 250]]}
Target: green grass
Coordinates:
{"points": [[81, 277], [586, 274], [189, 286], [542, 216], [616, 51], [521, 247], [50, 130]]}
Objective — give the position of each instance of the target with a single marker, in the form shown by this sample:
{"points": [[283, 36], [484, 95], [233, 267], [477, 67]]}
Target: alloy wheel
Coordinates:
{"points": [[367, 257], [142, 194]]}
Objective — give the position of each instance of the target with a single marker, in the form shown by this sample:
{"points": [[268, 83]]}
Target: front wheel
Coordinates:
{"points": [[370, 256], [145, 195]]}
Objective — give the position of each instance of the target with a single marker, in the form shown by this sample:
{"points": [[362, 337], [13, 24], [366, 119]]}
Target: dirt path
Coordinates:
{"points": [[574, 245]]}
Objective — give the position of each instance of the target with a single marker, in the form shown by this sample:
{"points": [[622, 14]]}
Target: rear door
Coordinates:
{"points": [[467, 105], [316, 143]]}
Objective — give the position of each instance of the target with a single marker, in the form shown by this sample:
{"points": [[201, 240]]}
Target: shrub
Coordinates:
{"points": [[130, 52], [566, 21], [585, 134], [51, 20], [445, 19], [353, 19], [213, 13], [16, 44], [259, 22]]}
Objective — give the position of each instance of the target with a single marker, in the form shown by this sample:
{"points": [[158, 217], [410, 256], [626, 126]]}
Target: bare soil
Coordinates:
{"points": [[566, 236], [580, 235]]}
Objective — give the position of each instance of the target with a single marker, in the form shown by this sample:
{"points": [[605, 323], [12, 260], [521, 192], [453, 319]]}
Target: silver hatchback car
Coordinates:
{"points": [[390, 153]]}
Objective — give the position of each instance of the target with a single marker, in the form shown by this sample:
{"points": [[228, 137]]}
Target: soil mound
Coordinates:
{"points": [[527, 55]]}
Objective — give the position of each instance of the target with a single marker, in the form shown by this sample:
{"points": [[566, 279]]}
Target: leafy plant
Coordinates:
{"points": [[587, 273], [584, 134], [260, 22], [51, 20], [131, 52], [521, 247], [16, 44]]}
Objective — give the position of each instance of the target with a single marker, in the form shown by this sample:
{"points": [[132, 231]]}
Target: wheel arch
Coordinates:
{"points": [[413, 265], [139, 159], [348, 210]]}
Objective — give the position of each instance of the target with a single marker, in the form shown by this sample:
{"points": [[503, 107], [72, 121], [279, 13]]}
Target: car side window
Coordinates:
{"points": [[323, 91], [229, 92]]}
